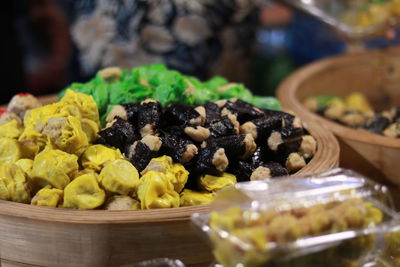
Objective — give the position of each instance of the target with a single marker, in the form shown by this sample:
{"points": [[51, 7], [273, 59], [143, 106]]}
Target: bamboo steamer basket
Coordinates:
{"points": [[375, 74], [44, 236]]}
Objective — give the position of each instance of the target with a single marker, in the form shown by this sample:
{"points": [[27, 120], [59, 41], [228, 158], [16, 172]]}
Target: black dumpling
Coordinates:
{"points": [[118, 135]]}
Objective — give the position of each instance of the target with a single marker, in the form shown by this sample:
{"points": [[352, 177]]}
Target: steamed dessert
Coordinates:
{"points": [[149, 154]]}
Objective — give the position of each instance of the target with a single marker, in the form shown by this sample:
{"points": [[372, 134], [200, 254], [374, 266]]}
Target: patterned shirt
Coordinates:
{"points": [[196, 37]]}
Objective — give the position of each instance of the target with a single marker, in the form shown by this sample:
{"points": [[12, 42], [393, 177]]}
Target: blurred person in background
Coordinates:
{"points": [[203, 38], [48, 46], [35, 48], [200, 38]]}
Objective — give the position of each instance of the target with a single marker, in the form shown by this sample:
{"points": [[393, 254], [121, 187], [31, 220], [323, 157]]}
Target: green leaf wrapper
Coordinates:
{"points": [[324, 100], [124, 93], [235, 90], [266, 102], [105, 114], [100, 95], [215, 82], [164, 94]]}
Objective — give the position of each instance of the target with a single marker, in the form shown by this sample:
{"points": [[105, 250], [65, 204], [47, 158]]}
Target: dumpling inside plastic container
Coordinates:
{"points": [[337, 218]]}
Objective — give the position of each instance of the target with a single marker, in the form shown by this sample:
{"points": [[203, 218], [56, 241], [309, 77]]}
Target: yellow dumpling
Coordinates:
{"points": [[86, 171], [25, 165], [10, 150], [53, 167], [48, 196], [120, 177], [176, 173], [215, 183], [10, 129], [84, 193], [36, 118], [160, 164], [358, 101], [90, 128], [97, 156], [193, 198], [14, 184], [31, 142], [32, 139], [156, 191], [85, 103], [65, 133]]}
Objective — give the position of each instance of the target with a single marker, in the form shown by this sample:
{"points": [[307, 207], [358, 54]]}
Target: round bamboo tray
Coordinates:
{"points": [[377, 75], [43, 236]]}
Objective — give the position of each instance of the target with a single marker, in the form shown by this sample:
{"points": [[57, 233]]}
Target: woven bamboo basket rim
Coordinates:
{"points": [[287, 94]]}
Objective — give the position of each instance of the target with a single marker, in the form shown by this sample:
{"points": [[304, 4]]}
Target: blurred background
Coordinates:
{"points": [[50, 43]]}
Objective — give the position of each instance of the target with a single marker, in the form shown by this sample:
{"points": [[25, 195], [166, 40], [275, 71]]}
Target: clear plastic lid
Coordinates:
{"points": [[355, 18], [335, 219]]}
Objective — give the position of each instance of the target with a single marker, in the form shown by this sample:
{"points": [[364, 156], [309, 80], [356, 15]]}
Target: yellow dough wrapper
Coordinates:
{"points": [[215, 183], [84, 193], [10, 129], [175, 172], [85, 103], [120, 177], [97, 156], [193, 198], [47, 196], [25, 164], [53, 167], [14, 184], [156, 191], [10, 150]]}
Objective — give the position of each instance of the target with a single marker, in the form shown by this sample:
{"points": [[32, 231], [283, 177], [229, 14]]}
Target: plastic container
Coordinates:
{"points": [[337, 218], [355, 18]]}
